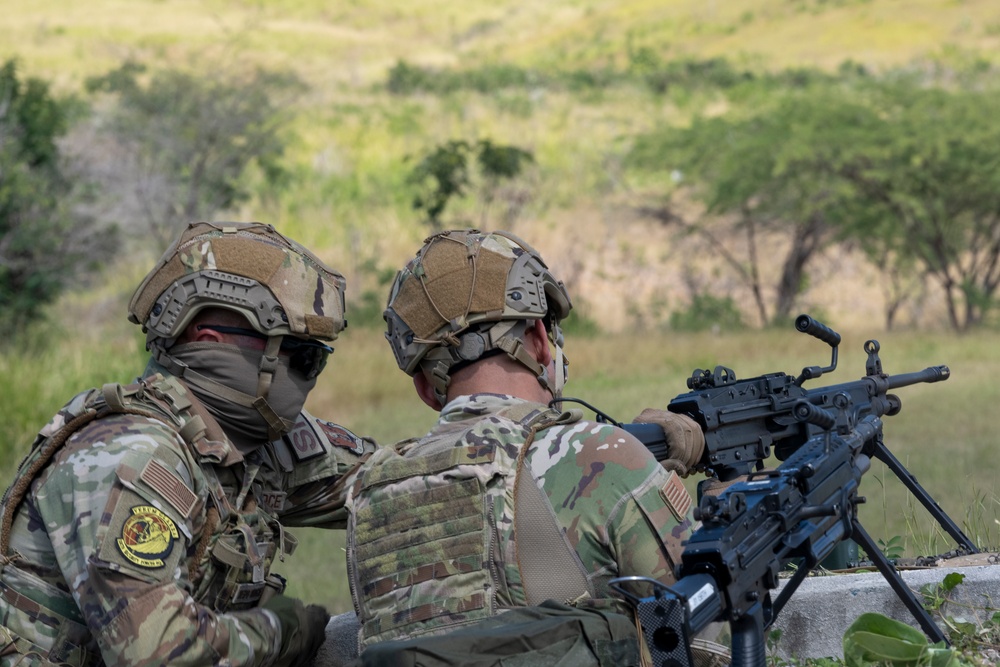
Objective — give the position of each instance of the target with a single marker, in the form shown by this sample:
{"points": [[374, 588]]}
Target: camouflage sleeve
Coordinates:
{"points": [[123, 549], [325, 460], [622, 512]]}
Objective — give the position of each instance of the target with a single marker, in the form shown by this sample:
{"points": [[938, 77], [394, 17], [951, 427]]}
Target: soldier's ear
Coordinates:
{"points": [[425, 391], [536, 340]]}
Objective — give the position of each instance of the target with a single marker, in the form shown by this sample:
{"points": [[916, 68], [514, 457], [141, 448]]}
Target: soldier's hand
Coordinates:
{"points": [[303, 629], [685, 440]]}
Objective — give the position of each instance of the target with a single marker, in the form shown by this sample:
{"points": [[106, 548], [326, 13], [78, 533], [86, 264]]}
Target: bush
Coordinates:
{"points": [[707, 312]]}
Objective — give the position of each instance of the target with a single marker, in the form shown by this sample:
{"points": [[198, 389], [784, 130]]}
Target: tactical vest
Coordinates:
{"points": [[425, 533], [239, 540]]}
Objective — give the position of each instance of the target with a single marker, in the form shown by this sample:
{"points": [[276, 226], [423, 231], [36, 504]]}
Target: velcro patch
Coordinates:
{"points": [[305, 443], [676, 496], [339, 436], [147, 537], [166, 483]]}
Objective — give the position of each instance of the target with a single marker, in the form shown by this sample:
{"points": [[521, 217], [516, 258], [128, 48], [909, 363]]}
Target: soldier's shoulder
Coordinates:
{"points": [[312, 437], [594, 449], [594, 433]]}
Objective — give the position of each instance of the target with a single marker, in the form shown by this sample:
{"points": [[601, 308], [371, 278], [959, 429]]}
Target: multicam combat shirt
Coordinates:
{"points": [[434, 536], [148, 537]]}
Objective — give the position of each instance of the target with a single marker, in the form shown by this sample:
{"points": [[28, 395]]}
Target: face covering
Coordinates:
{"points": [[226, 378]]}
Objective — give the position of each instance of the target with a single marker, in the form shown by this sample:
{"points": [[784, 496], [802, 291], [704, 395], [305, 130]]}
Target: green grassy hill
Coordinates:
{"points": [[352, 44]]}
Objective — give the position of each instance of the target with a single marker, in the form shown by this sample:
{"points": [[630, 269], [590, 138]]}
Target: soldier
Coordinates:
{"points": [[141, 527], [507, 502]]}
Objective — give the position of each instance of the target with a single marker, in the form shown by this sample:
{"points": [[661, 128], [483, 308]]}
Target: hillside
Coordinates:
{"points": [[353, 43], [585, 215]]}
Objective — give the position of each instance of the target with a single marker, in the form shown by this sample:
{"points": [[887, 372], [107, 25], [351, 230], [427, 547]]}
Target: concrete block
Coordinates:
{"points": [[820, 611], [341, 645]]}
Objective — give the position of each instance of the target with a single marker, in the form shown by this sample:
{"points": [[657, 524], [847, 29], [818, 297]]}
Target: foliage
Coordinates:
{"points": [[893, 548], [189, 138], [407, 79], [906, 171], [769, 173], [645, 67], [877, 639], [366, 310], [976, 629], [931, 179], [707, 312], [46, 242], [445, 174]]}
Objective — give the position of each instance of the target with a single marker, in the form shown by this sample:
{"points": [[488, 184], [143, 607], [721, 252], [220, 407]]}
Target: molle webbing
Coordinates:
{"points": [[428, 542]]}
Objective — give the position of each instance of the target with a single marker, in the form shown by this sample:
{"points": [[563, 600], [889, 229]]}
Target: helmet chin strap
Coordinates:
{"points": [[560, 373], [507, 336], [276, 426]]}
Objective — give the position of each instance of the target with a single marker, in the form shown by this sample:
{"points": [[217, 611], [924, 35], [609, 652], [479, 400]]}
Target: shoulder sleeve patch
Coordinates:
{"points": [[147, 537], [305, 441], [142, 539], [338, 436], [676, 497], [166, 483]]}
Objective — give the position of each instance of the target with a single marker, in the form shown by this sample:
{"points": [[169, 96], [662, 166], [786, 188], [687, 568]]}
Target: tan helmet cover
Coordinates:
{"points": [[466, 293], [250, 268]]}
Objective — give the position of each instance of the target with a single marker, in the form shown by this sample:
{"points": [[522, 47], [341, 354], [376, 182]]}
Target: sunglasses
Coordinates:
{"points": [[305, 356]]}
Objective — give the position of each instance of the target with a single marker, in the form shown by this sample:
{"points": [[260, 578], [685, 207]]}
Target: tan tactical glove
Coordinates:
{"points": [[713, 486], [303, 629], [685, 441]]}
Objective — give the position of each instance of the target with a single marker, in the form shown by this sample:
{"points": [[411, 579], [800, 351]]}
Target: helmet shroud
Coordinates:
{"points": [[279, 286], [467, 294]]}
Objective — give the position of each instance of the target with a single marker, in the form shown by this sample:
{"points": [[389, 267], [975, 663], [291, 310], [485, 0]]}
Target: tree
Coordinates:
{"points": [[46, 243], [189, 139], [774, 172], [932, 177], [445, 173]]}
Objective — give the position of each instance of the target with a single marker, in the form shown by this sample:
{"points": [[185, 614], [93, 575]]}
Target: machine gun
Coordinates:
{"points": [[743, 419], [801, 510]]}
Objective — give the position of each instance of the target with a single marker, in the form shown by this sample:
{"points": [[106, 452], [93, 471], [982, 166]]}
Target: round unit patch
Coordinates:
{"points": [[147, 536]]}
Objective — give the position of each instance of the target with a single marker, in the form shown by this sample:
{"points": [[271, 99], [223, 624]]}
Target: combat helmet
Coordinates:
{"points": [[467, 294], [289, 297], [279, 286]]}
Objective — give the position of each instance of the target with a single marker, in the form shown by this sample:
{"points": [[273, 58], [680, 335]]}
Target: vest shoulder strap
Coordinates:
{"points": [[549, 566]]}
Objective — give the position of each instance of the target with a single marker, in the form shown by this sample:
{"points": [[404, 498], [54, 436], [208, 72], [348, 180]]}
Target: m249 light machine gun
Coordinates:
{"points": [[800, 510]]}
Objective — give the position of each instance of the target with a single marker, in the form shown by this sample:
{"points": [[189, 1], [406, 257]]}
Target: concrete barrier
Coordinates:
{"points": [[817, 615], [341, 645]]}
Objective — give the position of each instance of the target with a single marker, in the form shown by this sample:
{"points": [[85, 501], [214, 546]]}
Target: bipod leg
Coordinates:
{"points": [[883, 454], [897, 584]]}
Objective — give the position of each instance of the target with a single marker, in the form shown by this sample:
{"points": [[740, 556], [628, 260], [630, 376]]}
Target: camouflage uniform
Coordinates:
{"points": [[148, 537], [435, 540]]}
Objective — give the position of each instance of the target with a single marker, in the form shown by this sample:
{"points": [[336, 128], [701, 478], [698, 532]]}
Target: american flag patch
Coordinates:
{"points": [[173, 490], [676, 496]]}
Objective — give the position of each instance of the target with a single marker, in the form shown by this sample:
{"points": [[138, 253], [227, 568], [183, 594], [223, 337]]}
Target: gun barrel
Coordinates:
{"points": [[931, 374]]}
